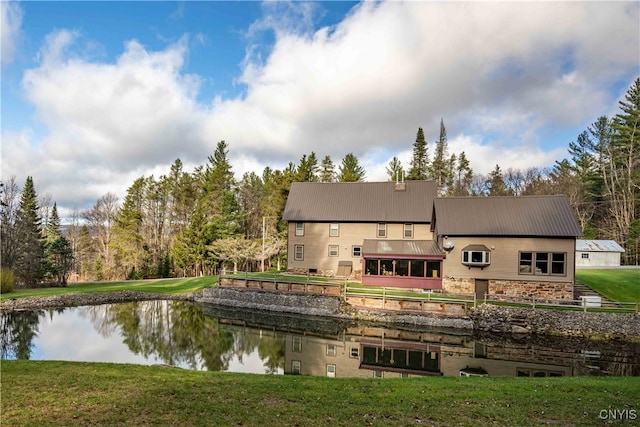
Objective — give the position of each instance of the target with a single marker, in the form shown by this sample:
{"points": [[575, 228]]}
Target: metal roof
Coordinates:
{"points": [[400, 247], [598, 246], [361, 201], [534, 216]]}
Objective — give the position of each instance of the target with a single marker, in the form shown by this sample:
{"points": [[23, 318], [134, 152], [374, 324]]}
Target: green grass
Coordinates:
{"points": [[70, 393], [616, 284], [161, 286]]}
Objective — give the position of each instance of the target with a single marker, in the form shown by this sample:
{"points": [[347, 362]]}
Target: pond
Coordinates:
{"points": [[205, 337]]}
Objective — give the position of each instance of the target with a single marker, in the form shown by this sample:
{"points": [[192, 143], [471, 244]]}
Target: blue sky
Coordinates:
{"points": [[97, 94]]}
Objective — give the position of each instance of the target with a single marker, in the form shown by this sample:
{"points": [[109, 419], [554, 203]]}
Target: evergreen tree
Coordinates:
{"points": [[58, 252], [127, 242], [420, 160], [350, 170], [29, 265], [463, 177], [395, 171], [308, 169], [440, 167], [496, 184], [327, 170]]}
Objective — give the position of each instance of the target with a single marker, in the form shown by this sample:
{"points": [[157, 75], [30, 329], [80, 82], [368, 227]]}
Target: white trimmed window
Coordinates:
{"points": [[476, 256], [408, 231], [382, 229], [333, 250], [295, 367], [331, 371], [334, 229], [356, 251], [299, 228], [298, 252]]}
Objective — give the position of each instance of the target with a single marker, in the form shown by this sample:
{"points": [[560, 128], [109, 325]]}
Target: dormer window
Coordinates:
{"points": [[476, 256]]}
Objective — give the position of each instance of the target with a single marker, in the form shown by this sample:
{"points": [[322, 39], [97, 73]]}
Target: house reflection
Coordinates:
{"points": [[373, 352]]}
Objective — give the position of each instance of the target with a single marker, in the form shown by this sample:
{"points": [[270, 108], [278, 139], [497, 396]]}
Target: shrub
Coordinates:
{"points": [[7, 280]]}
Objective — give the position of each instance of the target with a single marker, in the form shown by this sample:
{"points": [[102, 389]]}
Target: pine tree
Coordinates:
{"points": [[327, 170], [58, 252], [350, 169], [420, 161], [496, 184], [440, 167], [307, 171], [395, 171], [29, 266]]}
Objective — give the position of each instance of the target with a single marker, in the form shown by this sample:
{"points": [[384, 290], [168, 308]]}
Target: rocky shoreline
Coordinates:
{"points": [[485, 318]]}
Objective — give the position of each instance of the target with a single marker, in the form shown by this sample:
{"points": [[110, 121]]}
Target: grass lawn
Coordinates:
{"points": [[616, 284], [71, 393], [161, 286]]}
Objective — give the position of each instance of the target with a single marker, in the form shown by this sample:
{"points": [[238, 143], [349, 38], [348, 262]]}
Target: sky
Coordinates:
{"points": [[96, 94]]}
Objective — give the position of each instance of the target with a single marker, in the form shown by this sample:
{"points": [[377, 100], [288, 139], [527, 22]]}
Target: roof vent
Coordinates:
{"points": [[400, 184]]}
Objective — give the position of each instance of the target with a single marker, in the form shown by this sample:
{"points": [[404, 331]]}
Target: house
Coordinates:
{"points": [[335, 228], [598, 253], [519, 246], [401, 235]]}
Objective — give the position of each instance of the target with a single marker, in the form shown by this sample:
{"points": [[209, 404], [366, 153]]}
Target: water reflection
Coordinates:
{"points": [[206, 337]]}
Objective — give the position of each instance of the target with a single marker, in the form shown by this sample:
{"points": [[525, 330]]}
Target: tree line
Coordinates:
{"points": [[189, 223]]}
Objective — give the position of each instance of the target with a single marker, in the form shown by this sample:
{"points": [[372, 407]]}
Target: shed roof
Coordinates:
{"points": [[598, 246], [361, 201], [533, 216], [400, 247]]}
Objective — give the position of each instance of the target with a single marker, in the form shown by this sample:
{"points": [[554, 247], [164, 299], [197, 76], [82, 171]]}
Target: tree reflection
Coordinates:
{"points": [[18, 330]]}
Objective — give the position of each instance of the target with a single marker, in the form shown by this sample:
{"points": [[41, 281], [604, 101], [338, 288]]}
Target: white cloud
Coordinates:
{"points": [[10, 22], [499, 74]]}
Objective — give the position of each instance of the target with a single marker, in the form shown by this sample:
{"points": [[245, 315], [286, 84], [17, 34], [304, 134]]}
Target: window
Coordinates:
{"points": [[356, 251], [585, 256], [417, 268], [382, 229], [408, 231], [476, 255], [297, 344], [433, 268], [402, 267], [299, 228], [371, 266], [378, 374], [331, 349], [298, 252], [543, 263], [386, 267], [295, 367], [355, 352], [333, 250], [331, 371], [334, 229]]}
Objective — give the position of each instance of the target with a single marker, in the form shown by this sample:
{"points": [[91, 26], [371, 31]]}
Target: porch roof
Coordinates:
{"points": [[400, 247]]}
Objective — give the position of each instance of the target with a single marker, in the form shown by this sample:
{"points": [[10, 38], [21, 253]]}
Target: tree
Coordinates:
{"points": [[9, 198], [127, 242], [463, 177], [58, 251], [29, 263], [327, 170], [100, 219], [440, 169], [350, 170], [420, 160], [308, 169], [495, 183], [395, 171]]}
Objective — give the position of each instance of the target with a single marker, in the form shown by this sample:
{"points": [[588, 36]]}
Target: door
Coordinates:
{"points": [[482, 288]]}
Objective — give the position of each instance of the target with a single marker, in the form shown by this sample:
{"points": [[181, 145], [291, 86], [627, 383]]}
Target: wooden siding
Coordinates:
{"points": [[316, 241], [505, 258]]}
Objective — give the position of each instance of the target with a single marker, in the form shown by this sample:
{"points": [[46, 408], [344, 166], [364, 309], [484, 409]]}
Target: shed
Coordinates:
{"points": [[597, 253]]}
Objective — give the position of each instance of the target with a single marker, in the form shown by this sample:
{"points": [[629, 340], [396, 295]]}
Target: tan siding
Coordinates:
{"points": [[505, 258], [316, 241]]}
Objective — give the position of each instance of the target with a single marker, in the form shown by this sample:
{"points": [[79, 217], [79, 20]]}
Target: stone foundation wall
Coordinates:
{"points": [[550, 290], [458, 286]]}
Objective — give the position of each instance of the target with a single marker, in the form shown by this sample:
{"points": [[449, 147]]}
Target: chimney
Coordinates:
{"points": [[400, 185]]}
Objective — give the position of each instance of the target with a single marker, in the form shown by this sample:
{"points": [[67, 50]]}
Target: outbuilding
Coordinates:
{"points": [[598, 253]]}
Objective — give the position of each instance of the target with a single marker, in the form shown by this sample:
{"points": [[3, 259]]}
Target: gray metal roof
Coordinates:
{"points": [[400, 247], [540, 216], [598, 246], [360, 202]]}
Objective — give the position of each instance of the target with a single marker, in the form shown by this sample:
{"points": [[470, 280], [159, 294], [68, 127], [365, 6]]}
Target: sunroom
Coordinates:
{"points": [[402, 263]]}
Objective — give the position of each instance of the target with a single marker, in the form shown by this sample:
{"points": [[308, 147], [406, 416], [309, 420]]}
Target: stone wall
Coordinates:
{"points": [[314, 305], [452, 285], [499, 319], [550, 290]]}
